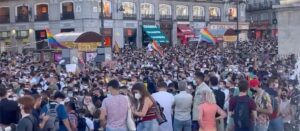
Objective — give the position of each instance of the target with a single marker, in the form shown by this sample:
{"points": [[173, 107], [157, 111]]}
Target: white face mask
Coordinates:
{"points": [[137, 96], [39, 90]]}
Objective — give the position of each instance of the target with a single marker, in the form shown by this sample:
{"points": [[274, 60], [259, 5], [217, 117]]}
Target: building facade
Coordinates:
{"points": [[262, 18], [24, 21], [288, 27]]}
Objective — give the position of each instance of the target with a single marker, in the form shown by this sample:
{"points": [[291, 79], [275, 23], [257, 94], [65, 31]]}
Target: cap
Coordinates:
{"points": [[254, 83]]}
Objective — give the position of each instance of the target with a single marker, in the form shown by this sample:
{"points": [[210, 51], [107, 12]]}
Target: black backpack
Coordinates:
{"points": [[242, 114], [220, 97], [34, 123], [81, 122]]}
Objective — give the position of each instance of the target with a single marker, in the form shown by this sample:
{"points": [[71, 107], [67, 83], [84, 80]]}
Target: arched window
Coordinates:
{"points": [[147, 8], [67, 10], [165, 9], [41, 12], [22, 13], [129, 7], [106, 9], [182, 10], [214, 11], [198, 11], [4, 14], [232, 13]]}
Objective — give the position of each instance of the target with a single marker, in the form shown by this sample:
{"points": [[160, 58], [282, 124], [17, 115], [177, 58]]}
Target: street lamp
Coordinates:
{"points": [[102, 23]]}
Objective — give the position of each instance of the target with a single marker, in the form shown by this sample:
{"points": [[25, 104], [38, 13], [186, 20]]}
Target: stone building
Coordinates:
{"points": [[24, 21]]}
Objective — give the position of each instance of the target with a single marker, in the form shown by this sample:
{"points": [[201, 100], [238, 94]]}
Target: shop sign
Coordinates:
{"points": [[41, 26], [199, 25], [67, 25], [3, 28], [108, 24], [215, 27], [229, 38], [22, 27], [130, 24]]}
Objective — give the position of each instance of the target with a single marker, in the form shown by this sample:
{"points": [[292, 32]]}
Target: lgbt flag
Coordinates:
{"points": [[207, 36], [157, 48], [52, 41]]}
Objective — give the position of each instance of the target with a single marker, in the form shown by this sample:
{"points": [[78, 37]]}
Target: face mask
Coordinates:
{"points": [[137, 96], [276, 85], [194, 82], [70, 94], [39, 90], [65, 92]]}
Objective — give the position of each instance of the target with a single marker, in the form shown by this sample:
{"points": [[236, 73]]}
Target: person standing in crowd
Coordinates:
{"points": [[111, 117], [201, 87], [9, 110], [242, 109], [264, 106], [72, 115], [183, 106], [166, 100], [56, 108], [208, 111], [144, 109], [285, 110], [27, 122], [220, 99]]}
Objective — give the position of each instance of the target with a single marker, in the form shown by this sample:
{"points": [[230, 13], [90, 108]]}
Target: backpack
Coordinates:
{"points": [[81, 123], [242, 114], [34, 123], [159, 111], [220, 97], [53, 122]]}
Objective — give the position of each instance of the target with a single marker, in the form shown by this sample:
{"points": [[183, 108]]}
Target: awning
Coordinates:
{"points": [[155, 33], [78, 37], [184, 30]]}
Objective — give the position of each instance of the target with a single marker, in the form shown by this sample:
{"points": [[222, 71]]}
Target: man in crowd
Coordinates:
{"points": [[9, 110]]}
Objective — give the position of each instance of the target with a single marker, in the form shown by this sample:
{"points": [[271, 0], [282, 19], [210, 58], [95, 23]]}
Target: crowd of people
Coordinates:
{"points": [[242, 87]]}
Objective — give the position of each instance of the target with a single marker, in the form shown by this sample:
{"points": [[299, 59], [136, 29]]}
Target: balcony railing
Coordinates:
{"points": [[4, 19], [106, 16], [148, 16], [42, 17], [182, 17], [67, 16], [215, 18], [232, 19], [198, 18], [259, 6], [127, 16], [22, 18], [165, 17]]}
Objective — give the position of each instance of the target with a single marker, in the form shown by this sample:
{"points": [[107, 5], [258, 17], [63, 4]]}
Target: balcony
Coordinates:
{"points": [[106, 15], [198, 18], [42, 17], [127, 16], [259, 6], [4, 19], [182, 17], [232, 19], [148, 16], [67, 16], [22, 18], [214, 18], [165, 17]]}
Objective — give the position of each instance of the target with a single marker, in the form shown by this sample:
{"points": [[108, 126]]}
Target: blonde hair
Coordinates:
{"points": [[209, 97]]}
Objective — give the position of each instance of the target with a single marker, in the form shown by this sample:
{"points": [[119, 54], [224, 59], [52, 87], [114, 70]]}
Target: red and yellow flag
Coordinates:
{"points": [[157, 48]]}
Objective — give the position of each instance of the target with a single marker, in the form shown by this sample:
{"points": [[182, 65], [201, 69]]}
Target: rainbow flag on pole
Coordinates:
{"points": [[157, 48], [52, 41], [207, 36]]}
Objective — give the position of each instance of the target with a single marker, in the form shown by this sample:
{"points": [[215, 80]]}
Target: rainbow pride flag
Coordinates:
{"points": [[207, 36], [157, 48], [52, 41]]}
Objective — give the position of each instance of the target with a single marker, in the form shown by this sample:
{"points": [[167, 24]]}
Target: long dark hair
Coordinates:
{"points": [[144, 93]]}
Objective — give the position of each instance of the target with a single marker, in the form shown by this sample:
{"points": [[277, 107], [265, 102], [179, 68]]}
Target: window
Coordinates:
{"points": [[264, 16], [198, 11], [106, 8], [4, 14], [22, 33], [41, 13], [4, 34], [67, 10], [129, 7], [214, 11], [232, 13], [147, 8], [22, 13], [182, 10], [165, 9]]}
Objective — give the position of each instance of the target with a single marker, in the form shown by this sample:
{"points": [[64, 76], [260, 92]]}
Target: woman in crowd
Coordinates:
{"points": [[207, 112], [144, 109], [27, 122]]}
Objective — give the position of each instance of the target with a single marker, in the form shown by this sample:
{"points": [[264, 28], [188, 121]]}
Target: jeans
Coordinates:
{"points": [[185, 125], [261, 127], [151, 125], [115, 129], [276, 125], [195, 125]]}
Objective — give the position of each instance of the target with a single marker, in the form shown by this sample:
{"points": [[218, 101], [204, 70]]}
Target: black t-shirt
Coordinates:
{"points": [[9, 112]]}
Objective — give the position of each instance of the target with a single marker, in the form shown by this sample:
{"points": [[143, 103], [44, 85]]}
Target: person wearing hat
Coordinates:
{"points": [[263, 103]]}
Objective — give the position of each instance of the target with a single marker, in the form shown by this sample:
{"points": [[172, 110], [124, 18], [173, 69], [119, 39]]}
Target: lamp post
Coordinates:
{"points": [[102, 23], [237, 22]]}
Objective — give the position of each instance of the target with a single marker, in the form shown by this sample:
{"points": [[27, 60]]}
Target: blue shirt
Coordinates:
{"points": [[61, 115]]}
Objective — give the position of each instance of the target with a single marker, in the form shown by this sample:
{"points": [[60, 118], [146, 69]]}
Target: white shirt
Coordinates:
{"points": [[166, 100], [183, 106], [149, 47], [89, 123]]}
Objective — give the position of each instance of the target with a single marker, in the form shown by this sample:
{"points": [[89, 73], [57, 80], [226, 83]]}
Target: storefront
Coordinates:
{"points": [[184, 33], [40, 37], [166, 27], [154, 33], [108, 32], [130, 36], [219, 28]]}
